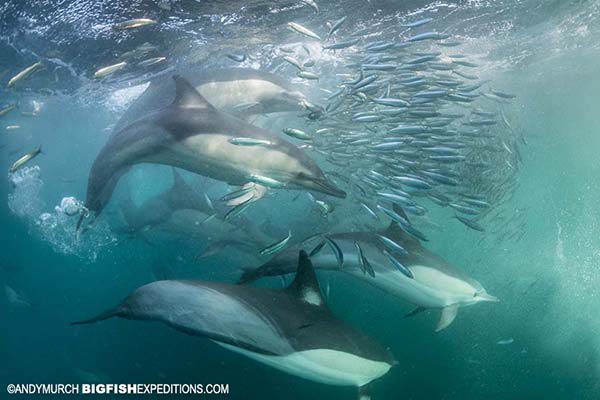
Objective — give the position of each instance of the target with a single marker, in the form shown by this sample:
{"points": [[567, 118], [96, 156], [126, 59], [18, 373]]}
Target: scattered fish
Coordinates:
{"points": [[24, 159], [25, 73], [277, 246], [105, 71], [303, 30], [134, 23]]}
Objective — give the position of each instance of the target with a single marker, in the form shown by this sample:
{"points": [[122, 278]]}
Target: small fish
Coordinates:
{"points": [[293, 61], [389, 243], [105, 71], [297, 133], [265, 181], [370, 211], [134, 23], [277, 246], [503, 95], [238, 193], [237, 210], [365, 265], [303, 30], [470, 223], [407, 272], [24, 159], [151, 61], [308, 75], [237, 57], [7, 109], [243, 141], [311, 3], [428, 36], [341, 45], [24, 74], [339, 255], [209, 202], [418, 23], [12, 127], [504, 342], [336, 25]]}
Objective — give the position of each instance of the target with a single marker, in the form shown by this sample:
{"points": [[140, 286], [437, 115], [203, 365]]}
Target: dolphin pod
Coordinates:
{"points": [[430, 282], [193, 135], [290, 329]]}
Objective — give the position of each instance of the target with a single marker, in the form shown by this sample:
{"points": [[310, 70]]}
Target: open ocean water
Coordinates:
{"points": [[527, 69]]}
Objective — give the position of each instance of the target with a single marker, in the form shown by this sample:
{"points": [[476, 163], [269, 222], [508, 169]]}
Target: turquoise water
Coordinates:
{"points": [[538, 255]]}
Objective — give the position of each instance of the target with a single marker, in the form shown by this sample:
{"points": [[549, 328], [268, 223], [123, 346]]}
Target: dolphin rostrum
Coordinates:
{"points": [[392, 261], [290, 329], [239, 91], [193, 135]]}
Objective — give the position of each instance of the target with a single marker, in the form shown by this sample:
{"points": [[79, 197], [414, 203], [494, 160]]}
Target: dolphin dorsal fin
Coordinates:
{"points": [[178, 181], [394, 231], [186, 96], [305, 286]]}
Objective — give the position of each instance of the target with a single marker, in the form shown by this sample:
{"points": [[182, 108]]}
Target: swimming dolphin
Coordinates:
{"points": [[193, 135], [182, 211], [159, 208], [239, 91], [291, 329], [418, 275]]}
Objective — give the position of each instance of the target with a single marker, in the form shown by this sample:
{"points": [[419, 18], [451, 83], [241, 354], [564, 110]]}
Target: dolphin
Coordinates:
{"points": [[182, 211], [240, 91], [158, 209], [290, 329], [418, 275], [193, 135]]}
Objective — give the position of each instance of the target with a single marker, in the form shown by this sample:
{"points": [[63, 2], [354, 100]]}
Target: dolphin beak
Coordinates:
{"points": [[488, 297], [326, 186]]}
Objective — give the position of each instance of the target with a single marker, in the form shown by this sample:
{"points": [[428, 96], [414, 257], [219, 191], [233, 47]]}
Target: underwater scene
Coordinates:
{"points": [[353, 199]]}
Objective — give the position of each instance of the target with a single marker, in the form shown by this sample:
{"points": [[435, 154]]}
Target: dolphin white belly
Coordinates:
{"points": [[213, 155], [327, 366], [425, 290], [228, 94]]}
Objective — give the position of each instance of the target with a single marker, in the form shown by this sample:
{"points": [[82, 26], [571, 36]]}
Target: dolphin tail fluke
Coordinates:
{"points": [[448, 315], [101, 317]]}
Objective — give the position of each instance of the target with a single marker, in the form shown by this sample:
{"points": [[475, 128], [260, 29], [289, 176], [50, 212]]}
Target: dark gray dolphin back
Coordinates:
{"points": [[266, 321]]}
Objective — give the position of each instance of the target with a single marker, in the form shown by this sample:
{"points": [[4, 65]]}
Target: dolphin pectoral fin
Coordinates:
{"points": [[364, 392], [448, 315], [414, 312]]}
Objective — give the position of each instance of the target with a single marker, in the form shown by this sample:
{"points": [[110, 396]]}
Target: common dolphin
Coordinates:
{"points": [[291, 329], [182, 211], [159, 208], [422, 277], [239, 91], [193, 135]]}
